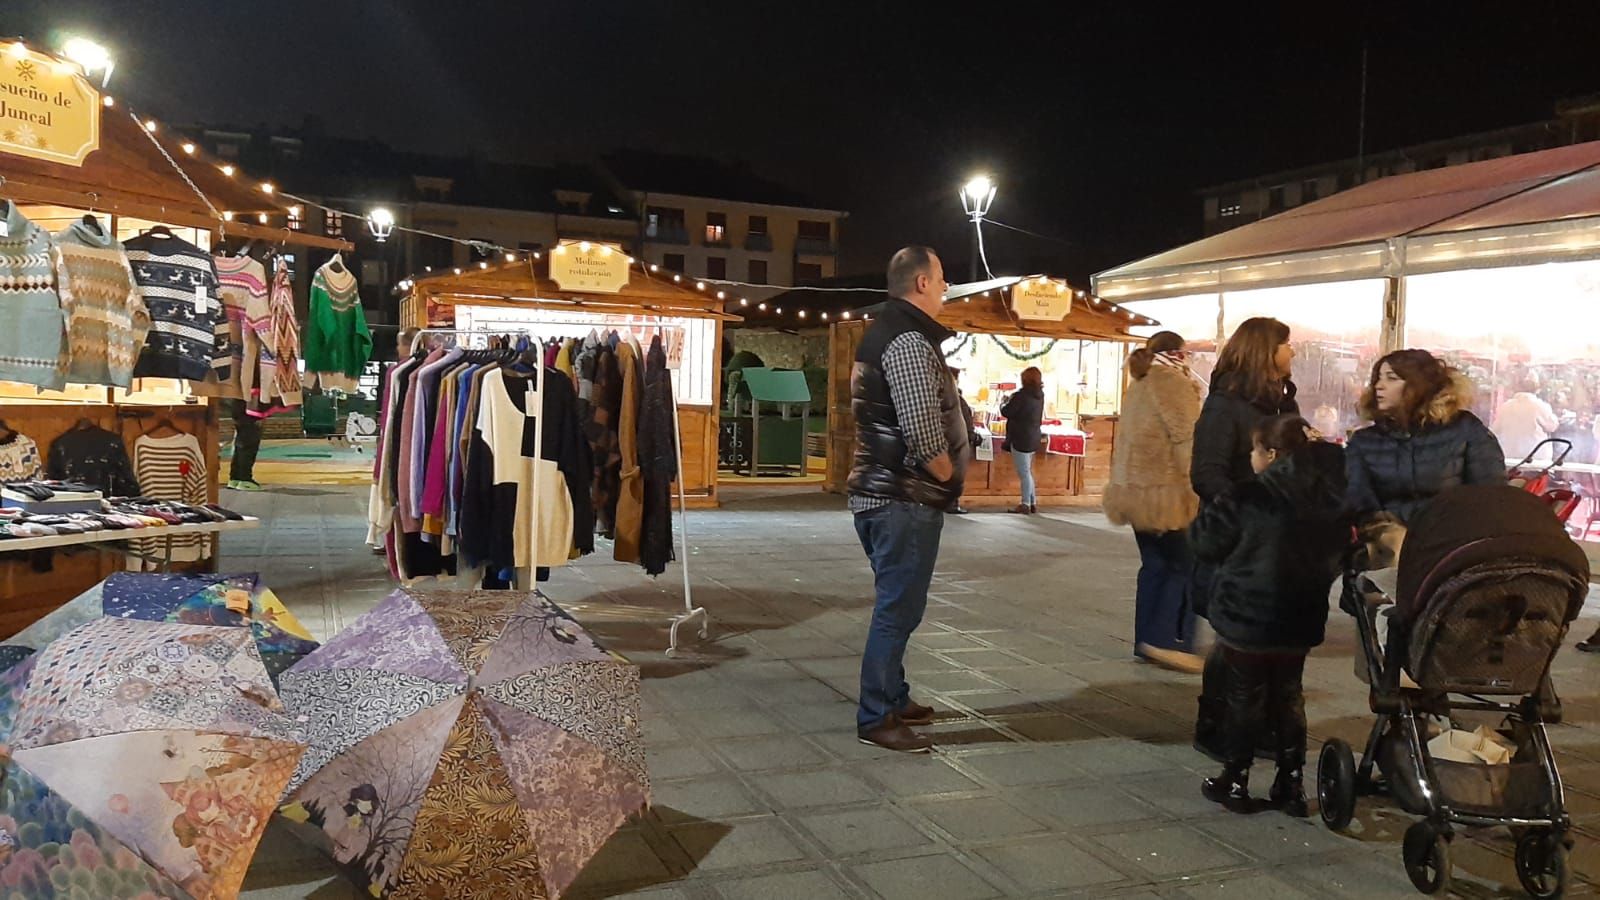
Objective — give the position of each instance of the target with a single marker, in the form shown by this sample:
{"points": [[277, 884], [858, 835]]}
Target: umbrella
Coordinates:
{"points": [[465, 744], [190, 599], [141, 760]]}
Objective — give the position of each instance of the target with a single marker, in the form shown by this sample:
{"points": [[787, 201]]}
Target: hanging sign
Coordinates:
{"points": [[1041, 299], [48, 110], [589, 267]]}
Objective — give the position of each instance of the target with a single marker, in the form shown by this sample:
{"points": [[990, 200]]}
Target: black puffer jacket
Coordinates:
{"points": [[1392, 470], [1222, 436], [882, 468], [1024, 411], [1277, 542]]}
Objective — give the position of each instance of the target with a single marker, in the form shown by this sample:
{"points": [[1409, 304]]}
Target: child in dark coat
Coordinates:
{"points": [[1277, 542]]}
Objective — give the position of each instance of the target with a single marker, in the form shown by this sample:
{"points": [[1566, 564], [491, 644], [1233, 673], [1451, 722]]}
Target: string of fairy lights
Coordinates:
{"points": [[381, 223]]}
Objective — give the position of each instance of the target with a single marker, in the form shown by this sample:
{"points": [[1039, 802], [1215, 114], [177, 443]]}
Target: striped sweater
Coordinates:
{"points": [[106, 318], [33, 342], [242, 284], [188, 339], [173, 468], [280, 351]]}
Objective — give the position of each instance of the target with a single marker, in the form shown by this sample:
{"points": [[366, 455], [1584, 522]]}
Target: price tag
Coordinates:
{"points": [[200, 298]]}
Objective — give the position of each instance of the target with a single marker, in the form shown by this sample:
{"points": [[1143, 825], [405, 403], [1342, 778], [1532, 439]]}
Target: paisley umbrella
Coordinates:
{"points": [[141, 760], [469, 744], [235, 600]]}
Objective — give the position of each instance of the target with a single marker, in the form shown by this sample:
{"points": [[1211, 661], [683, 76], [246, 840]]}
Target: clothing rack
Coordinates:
{"points": [[690, 611]]}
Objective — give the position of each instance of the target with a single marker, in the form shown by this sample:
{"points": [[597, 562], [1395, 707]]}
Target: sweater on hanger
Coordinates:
{"points": [[32, 283], [188, 336], [96, 457], [173, 468], [280, 351], [19, 459], [338, 343], [106, 318], [512, 525], [242, 285]]}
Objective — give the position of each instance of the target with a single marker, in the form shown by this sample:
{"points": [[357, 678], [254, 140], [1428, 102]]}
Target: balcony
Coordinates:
{"points": [[667, 234], [760, 243], [807, 246]]}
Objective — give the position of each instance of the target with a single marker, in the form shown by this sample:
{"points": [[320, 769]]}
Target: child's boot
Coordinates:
{"points": [[1231, 788], [1289, 791]]}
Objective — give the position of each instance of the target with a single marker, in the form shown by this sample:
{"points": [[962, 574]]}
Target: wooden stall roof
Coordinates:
{"points": [[981, 308], [129, 176], [527, 285]]}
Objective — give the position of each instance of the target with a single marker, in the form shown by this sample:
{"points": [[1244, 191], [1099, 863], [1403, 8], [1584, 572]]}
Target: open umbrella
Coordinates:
{"points": [[469, 744], [141, 759], [191, 599]]}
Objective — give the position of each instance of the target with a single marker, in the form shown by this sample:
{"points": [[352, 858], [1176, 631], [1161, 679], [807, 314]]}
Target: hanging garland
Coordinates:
{"points": [[961, 345], [1023, 357]]}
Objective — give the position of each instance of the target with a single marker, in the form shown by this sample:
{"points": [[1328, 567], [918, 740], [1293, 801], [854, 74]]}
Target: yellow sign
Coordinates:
{"points": [[1041, 299], [589, 267], [48, 110]]}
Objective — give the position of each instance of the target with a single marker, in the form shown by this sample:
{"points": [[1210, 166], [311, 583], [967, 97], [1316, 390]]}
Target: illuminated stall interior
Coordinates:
{"points": [[1494, 266]]}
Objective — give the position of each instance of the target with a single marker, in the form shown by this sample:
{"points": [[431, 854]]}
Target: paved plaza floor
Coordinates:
{"points": [[1064, 766]]}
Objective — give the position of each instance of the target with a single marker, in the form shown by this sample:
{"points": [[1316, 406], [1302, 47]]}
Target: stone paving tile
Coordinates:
{"points": [[779, 752], [670, 762], [1084, 805], [1247, 887], [812, 885], [1049, 865], [1170, 850], [718, 797], [916, 777], [858, 831], [1027, 765], [822, 787], [978, 819], [750, 843], [922, 877]]}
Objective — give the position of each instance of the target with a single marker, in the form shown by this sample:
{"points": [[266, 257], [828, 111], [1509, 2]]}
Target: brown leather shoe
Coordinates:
{"points": [[1020, 508], [893, 734], [916, 715]]}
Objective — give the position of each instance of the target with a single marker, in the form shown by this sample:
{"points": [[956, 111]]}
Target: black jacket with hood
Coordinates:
{"points": [[1277, 542], [1222, 435], [1024, 412]]}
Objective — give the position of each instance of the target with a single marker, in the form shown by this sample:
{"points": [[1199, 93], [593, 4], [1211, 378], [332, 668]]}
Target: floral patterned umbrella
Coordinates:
{"points": [[141, 760], [469, 744], [236, 600]]}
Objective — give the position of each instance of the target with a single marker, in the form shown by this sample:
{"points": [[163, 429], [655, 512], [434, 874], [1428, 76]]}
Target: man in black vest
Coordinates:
{"points": [[911, 453]]}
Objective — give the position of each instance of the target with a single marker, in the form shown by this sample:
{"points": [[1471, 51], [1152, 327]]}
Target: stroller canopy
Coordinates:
{"points": [[1485, 522]]}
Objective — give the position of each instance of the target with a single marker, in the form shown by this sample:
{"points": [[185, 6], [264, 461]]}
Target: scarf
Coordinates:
{"points": [[1172, 361]]}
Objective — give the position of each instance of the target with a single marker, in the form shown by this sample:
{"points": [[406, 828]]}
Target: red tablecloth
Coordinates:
{"points": [[1065, 444]]}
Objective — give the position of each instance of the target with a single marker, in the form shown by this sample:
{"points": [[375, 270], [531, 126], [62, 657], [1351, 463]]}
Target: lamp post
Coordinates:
{"points": [[381, 223], [90, 56], [976, 196]]}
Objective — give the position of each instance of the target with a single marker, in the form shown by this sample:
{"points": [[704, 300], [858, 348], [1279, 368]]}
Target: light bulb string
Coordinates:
{"points": [[177, 168]]}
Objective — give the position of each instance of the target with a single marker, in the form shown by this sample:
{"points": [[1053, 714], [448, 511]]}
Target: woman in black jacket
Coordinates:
{"points": [[1423, 439], [1024, 411], [1277, 542]]}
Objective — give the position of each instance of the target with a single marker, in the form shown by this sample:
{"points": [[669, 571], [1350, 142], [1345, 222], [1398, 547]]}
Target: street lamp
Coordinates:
{"points": [[380, 222], [976, 196], [90, 56]]}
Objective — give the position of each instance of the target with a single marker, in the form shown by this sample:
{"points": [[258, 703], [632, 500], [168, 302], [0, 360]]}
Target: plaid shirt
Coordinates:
{"points": [[914, 370]]}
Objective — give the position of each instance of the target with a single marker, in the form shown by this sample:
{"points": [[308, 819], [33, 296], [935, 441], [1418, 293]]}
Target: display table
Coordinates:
{"points": [[54, 541]]}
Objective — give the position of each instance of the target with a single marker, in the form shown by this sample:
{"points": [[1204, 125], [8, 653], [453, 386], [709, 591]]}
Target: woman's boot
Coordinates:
{"points": [[1231, 788], [1289, 791]]}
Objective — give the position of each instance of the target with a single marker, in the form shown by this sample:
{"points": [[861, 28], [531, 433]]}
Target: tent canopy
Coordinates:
{"points": [[1515, 210], [981, 307]]}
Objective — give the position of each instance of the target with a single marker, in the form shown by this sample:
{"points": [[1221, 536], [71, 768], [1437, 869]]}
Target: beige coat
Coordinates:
{"points": [[1149, 486], [630, 501]]}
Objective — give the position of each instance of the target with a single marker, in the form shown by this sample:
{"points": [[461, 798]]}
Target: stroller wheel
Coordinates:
{"points": [[1427, 857], [1336, 784], [1542, 864]]}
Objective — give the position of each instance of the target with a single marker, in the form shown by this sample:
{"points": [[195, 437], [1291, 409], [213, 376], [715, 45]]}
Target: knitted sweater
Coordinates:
{"points": [[34, 339], [19, 459], [242, 285], [188, 339], [338, 343], [280, 351], [106, 316]]}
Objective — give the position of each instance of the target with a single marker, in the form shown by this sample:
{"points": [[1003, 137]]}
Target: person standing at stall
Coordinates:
{"points": [[911, 451], [1024, 412], [1149, 490]]}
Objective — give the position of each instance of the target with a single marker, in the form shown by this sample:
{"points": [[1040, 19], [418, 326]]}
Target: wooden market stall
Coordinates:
{"points": [[581, 286], [77, 153], [1034, 306]]}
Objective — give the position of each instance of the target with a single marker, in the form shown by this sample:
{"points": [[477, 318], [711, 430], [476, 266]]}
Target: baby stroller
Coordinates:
{"points": [[1541, 481], [1488, 584]]}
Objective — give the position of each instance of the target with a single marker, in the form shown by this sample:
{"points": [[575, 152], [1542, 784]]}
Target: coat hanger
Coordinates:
{"points": [[161, 231], [84, 423], [163, 423], [337, 263]]}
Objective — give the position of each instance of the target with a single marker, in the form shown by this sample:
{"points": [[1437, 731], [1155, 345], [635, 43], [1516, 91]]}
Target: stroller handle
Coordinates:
{"points": [[1560, 458]]}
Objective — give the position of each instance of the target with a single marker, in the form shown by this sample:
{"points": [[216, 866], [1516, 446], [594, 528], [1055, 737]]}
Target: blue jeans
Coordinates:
{"points": [[1024, 464], [902, 542], [1161, 616]]}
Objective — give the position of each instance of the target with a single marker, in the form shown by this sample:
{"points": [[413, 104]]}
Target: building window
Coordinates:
{"points": [[672, 262], [332, 223], [435, 253], [815, 231], [1310, 190], [226, 150], [1275, 199], [1229, 205], [662, 220], [758, 271], [372, 272], [297, 220], [716, 228], [807, 272], [758, 224], [716, 267]]}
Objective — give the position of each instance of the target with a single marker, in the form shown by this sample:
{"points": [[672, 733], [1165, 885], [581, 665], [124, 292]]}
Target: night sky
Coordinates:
{"points": [[1098, 123]]}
